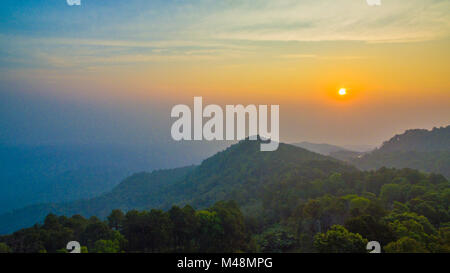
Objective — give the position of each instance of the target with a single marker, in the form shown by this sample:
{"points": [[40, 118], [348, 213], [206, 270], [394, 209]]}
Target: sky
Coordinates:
{"points": [[110, 70]]}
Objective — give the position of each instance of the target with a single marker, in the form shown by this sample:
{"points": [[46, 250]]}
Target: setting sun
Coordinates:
{"points": [[342, 91]]}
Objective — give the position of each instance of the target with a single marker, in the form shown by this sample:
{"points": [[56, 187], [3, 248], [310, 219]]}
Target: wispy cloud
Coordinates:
{"points": [[322, 57], [348, 20], [207, 30]]}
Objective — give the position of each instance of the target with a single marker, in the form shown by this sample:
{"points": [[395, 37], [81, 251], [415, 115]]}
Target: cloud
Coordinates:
{"points": [[348, 20], [206, 30], [320, 57]]}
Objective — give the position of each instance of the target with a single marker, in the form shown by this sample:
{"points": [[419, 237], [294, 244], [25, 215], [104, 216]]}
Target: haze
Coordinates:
{"points": [[110, 71]]}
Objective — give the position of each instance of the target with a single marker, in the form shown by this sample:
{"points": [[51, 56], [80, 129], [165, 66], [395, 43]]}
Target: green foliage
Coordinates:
{"points": [[373, 229], [184, 228], [405, 245], [291, 200], [240, 173], [4, 248], [277, 239], [106, 246], [391, 193], [220, 228], [386, 205], [416, 149], [338, 239], [115, 219], [359, 203]]}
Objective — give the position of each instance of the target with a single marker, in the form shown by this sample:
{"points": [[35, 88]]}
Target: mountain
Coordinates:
{"points": [[332, 150], [346, 155], [242, 173], [62, 173], [37, 174], [426, 150], [420, 140], [322, 148], [362, 148]]}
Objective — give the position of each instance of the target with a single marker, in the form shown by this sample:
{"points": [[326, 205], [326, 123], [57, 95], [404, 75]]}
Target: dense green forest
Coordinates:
{"points": [[426, 150], [405, 210], [243, 200], [241, 173]]}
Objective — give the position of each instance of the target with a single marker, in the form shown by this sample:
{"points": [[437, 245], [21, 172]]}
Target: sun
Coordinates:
{"points": [[342, 92]]}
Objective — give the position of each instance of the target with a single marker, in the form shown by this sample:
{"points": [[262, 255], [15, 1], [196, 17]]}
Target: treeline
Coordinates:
{"points": [[404, 210], [217, 229]]}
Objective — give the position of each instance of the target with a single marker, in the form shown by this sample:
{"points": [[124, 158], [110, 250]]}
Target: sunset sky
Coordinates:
{"points": [[122, 62]]}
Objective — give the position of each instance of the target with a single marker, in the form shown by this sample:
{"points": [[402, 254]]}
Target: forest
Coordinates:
{"points": [[425, 150], [403, 209]]}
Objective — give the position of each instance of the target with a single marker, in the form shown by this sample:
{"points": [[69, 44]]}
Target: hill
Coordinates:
{"points": [[241, 173], [68, 172], [320, 148], [404, 210], [334, 151], [426, 150], [419, 140]]}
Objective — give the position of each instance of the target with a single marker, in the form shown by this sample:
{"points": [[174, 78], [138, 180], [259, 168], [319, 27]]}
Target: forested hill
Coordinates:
{"points": [[242, 173], [417, 149], [419, 140]]}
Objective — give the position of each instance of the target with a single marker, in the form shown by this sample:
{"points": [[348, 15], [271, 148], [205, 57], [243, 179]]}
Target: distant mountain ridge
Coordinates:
{"points": [[242, 173], [426, 150], [320, 148], [334, 151], [32, 174], [246, 175], [419, 140]]}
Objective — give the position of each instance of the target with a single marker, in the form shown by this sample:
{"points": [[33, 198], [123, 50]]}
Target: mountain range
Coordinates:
{"points": [[320, 148], [425, 150], [241, 173], [421, 149], [246, 175], [66, 172]]}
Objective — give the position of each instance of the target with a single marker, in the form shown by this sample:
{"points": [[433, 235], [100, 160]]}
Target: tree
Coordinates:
{"points": [[185, 224], [54, 239], [313, 210], [392, 192], [210, 232], [4, 248], [359, 203], [371, 229], [106, 246], [115, 219], [410, 224], [277, 240], [234, 235], [51, 222], [339, 240], [405, 245], [95, 231], [147, 231]]}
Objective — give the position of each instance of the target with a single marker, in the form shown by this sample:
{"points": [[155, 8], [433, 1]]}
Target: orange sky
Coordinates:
{"points": [[393, 60]]}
